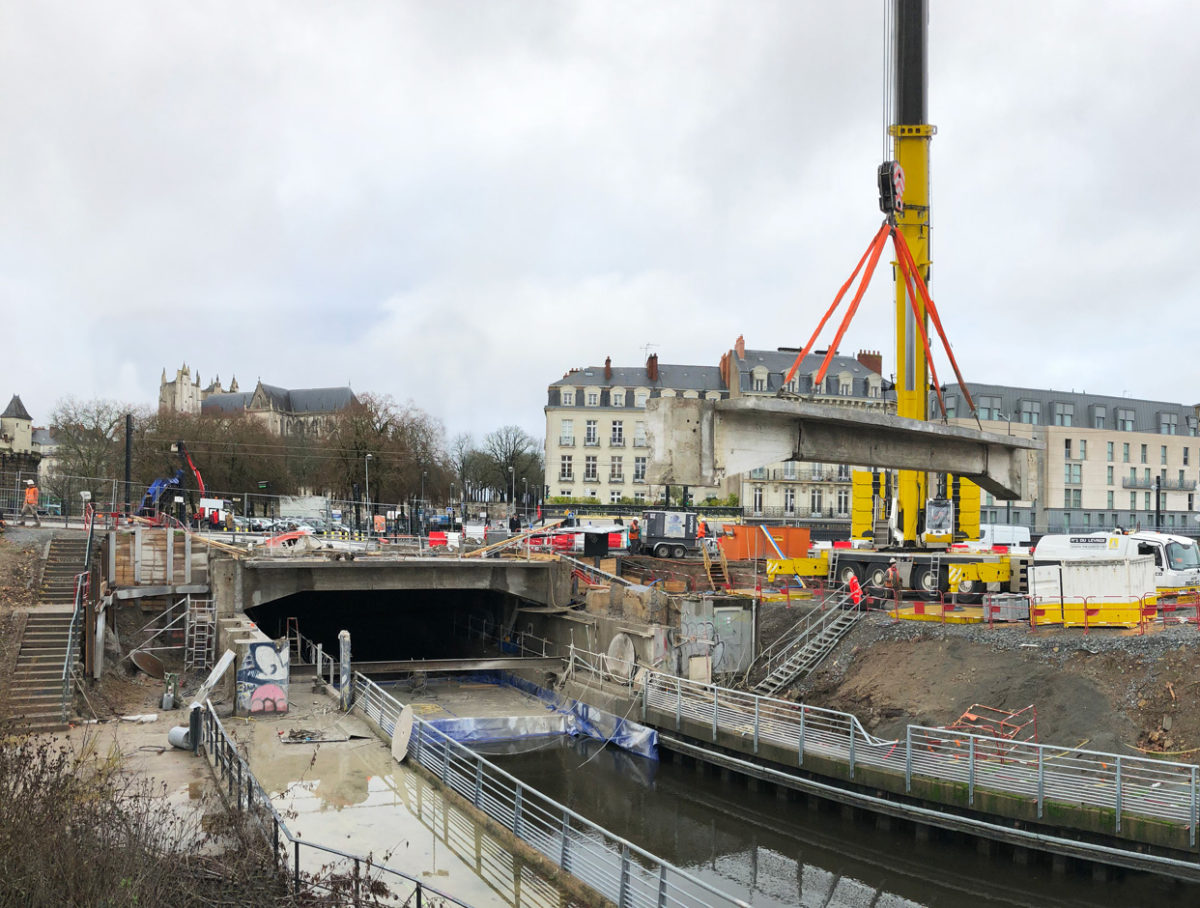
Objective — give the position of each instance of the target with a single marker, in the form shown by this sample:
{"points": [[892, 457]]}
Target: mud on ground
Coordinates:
{"points": [[1109, 690]]}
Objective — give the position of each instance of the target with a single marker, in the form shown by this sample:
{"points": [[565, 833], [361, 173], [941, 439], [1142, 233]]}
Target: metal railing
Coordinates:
{"points": [[83, 589], [1128, 786], [288, 850], [617, 869]]}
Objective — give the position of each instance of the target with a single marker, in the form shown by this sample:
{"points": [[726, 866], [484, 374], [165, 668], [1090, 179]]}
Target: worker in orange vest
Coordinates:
{"points": [[634, 537], [31, 502]]}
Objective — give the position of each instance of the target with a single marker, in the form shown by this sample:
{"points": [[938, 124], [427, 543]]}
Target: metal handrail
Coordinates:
{"points": [[231, 767], [82, 592], [619, 870]]}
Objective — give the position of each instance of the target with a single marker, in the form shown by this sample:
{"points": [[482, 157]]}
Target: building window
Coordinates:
{"points": [[618, 398], [590, 473], [758, 496], [951, 407], [1109, 451], [1185, 457], [614, 497], [1099, 415], [1146, 475], [1133, 475], [1124, 420], [1110, 475], [760, 384], [1162, 457], [1133, 501], [1147, 494], [1125, 452], [566, 435], [1067, 448], [639, 399], [758, 473], [843, 473], [591, 435], [1072, 473], [593, 398], [639, 469], [1168, 424], [1030, 412], [989, 408], [1083, 449], [1071, 498], [565, 470], [844, 388], [639, 434], [616, 470], [816, 502], [617, 440], [639, 497], [789, 469], [843, 502], [1110, 501], [568, 398], [789, 501], [1064, 414], [1145, 453]]}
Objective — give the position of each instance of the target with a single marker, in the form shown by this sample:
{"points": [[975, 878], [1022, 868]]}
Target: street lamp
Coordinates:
{"points": [[513, 476], [367, 470], [525, 496]]}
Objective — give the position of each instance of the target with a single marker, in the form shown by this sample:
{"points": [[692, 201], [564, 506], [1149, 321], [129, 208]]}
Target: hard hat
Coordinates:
{"points": [[28, 482], [891, 561]]}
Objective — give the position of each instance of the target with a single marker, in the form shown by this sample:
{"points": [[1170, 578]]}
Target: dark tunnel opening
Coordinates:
{"points": [[390, 625]]}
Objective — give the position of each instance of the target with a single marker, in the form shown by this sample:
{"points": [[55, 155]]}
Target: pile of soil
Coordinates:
{"points": [[1108, 690]]}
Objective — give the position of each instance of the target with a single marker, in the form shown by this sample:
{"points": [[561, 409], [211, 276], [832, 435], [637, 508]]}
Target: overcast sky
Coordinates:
{"points": [[456, 202]]}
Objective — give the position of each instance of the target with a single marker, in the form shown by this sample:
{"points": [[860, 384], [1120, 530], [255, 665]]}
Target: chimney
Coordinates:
{"points": [[608, 368], [652, 367], [740, 347], [872, 359]]}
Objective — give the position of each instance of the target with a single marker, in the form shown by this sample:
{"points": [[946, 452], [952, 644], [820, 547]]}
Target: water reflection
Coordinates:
{"points": [[772, 852]]}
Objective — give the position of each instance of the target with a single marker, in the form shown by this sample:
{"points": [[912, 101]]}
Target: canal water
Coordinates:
{"points": [[772, 852]]}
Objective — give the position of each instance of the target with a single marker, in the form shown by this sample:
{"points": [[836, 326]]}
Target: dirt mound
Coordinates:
{"points": [[1107, 690]]}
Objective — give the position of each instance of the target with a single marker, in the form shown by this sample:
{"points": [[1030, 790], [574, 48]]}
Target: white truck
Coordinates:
{"points": [[1176, 558]]}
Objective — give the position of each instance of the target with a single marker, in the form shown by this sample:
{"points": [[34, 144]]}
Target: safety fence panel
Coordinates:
{"points": [[614, 867], [1129, 786]]}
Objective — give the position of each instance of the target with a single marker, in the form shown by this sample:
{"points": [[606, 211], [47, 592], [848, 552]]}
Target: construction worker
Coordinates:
{"points": [[635, 535], [29, 508], [892, 579]]}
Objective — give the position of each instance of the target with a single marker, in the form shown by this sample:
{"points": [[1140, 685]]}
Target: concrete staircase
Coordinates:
{"points": [[63, 562], [805, 647], [35, 692]]}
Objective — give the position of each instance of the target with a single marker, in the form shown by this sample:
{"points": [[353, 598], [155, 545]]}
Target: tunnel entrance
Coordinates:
{"points": [[391, 625]]}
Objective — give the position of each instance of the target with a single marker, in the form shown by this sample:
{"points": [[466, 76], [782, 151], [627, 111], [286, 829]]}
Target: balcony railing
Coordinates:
{"points": [[615, 442], [1167, 485], [566, 477], [616, 479], [567, 442], [591, 442]]}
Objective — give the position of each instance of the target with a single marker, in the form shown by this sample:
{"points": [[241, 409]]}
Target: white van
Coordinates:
{"points": [[1003, 534]]}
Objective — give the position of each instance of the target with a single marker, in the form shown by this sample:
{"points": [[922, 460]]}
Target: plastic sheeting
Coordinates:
{"points": [[571, 717]]}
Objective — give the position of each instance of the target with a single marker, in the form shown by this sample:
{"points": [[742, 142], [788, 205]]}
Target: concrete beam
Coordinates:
{"points": [[700, 442]]}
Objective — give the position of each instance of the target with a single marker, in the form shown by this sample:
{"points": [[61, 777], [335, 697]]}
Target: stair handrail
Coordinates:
{"points": [[798, 634], [83, 585], [81, 592]]}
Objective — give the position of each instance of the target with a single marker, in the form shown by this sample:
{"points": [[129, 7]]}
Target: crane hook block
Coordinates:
{"points": [[891, 187]]}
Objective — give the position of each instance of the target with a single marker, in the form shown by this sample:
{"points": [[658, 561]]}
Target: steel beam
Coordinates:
{"points": [[482, 664], [700, 442]]}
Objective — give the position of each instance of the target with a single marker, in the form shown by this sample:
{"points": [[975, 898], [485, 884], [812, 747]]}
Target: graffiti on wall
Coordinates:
{"points": [[262, 680]]}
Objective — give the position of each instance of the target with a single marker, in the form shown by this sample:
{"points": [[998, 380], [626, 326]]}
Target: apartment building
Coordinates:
{"points": [[596, 447], [1106, 462]]}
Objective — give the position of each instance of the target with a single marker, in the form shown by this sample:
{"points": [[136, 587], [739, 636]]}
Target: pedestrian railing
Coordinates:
{"points": [[617, 869], [1128, 786], [341, 873]]}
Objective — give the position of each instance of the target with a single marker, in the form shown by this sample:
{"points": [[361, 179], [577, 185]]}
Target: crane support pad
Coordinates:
{"points": [[700, 442]]}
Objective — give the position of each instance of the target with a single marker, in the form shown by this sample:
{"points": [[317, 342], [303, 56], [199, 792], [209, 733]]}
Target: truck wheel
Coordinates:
{"points": [[877, 577], [848, 570], [678, 552], [925, 580], [662, 551]]}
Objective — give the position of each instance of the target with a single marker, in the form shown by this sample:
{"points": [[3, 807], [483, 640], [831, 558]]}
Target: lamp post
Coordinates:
{"points": [[421, 503], [525, 496], [513, 476], [367, 470]]}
